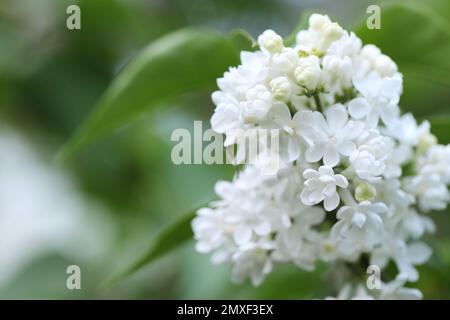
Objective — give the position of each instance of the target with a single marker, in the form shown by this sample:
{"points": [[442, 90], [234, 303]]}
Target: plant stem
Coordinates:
{"points": [[318, 103], [347, 197], [349, 173]]}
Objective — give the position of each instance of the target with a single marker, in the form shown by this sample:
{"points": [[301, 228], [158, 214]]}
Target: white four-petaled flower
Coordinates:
{"points": [[321, 186]]}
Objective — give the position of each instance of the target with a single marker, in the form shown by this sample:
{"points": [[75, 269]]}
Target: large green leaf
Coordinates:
{"points": [[418, 40], [440, 126], [170, 238], [242, 40], [181, 62]]}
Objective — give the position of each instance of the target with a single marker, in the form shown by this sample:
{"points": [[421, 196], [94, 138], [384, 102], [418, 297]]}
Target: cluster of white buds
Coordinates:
{"points": [[357, 175]]}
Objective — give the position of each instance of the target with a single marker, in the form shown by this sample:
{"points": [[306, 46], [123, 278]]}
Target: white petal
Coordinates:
{"points": [[336, 117], [359, 219], [390, 114], [325, 170], [410, 272], [280, 114], [329, 190], [263, 228], [344, 212], [418, 253], [319, 122], [378, 207], [314, 153], [302, 119], [293, 150], [346, 148], [379, 259], [331, 156], [224, 117], [358, 108], [409, 294], [242, 234], [341, 181], [310, 174], [305, 197], [332, 202], [373, 118]]}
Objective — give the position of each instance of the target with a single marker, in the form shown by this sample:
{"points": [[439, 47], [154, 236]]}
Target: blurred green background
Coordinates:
{"points": [[102, 208]]}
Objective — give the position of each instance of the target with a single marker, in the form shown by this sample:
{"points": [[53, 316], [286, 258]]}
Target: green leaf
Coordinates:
{"points": [[418, 40], [170, 238], [303, 24], [181, 62], [242, 40], [440, 127]]}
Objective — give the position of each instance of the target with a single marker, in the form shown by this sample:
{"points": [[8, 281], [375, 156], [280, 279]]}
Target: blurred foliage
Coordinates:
{"points": [[51, 78], [179, 63]]}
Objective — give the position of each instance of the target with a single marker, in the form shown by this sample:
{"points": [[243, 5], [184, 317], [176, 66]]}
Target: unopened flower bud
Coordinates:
{"points": [[308, 72], [317, 21], [270, 41], [426, 141], [258, 103], [365, 192], [332, 31], [385, 66], [281, 88]]}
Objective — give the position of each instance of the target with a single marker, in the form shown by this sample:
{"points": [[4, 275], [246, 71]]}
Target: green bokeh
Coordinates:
{"points": [[51, 77]]}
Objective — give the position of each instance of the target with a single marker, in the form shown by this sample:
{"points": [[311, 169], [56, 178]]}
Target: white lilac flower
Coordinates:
{"points": [[359, 227], [281, 88], [321, 185], [280, 118], [238, 80], [371, 59], [369, 159], [270, 42], [344, 147], [210, 230], [391, 192], [329, 137], [395, 290], [350, 292], [321, 34], [437, 162], [252, 260], [430, 192], [338, 63], [410, 224], [258, 102], [237, 229], [379, 99], [294, 243], [405, 256], [406, 130], [226, 117], [308, 72]]}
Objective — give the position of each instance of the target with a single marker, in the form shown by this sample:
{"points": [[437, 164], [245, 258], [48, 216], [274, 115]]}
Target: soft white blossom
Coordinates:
{"points": [[281, 88], [405, 256], [308, 72], [437, 162], [344, 147], [270, 41], [379, 99], [329, 137], [369, 160], [359, 227], [429, 190], [321, 185]]}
